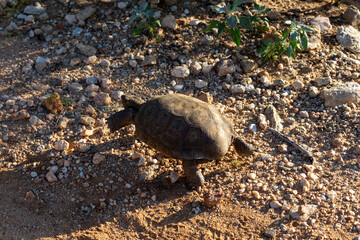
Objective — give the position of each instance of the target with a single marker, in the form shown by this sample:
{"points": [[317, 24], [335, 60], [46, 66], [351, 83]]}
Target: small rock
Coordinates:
{"points": [[30, 195], [200, 83], [36, 9], [213, 197], [180, 72], [207, 68], [75, 87], [195, 68], [86, 49], [274, 118], [174, 176], [104, 81], [87, 120], [237, 88], [21, 115], [70, 19], [274, 15], [122, 5], [149, 61], [262, 121], [275, 204], [61, 145], [50, 176], [349, 37], [313, 91], [116, 95], [298, 85], [97, 158], [34, 120], [102, 99], [352, 14], [302, 213], [85, 13], [62, 124], [224, 67], [169, 22], [105, 63], [339, 94], [322, 81], [33, 174], [248, 65], [270, 233], [92, 88], [323, 23], [206, 97]]}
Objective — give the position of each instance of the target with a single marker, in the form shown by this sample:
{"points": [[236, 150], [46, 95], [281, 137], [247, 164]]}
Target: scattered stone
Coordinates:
{"points": [[35, 121], [224, 67], [200, 83], [92, 88], [247, 64], [322, 81], [270, 233], [21, 115], [41, 63], [36, 9], [85, 13], [207, 68], [70, 19], [54, 104], [341, 93], [206, 97], [86, 49], [62, 124], [62, 145], [213, 197], [50, 176], [122, 5], [195, 68], [313, 91], [102, 99], [302, 213], [298, 85], [323, 23], [174, 176], [180, 72], [263, 123], [315, 39], [30, 195], [349, 37], [149, 61], [98, 158], [274, 15], [237, 88], [75, 87], [87, 120], [104, 81], [352, 14], [274, 118], [275, 204], [169, 22]]}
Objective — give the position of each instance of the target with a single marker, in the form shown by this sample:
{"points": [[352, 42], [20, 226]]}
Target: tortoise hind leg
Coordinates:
{"points": [[192, 173]]}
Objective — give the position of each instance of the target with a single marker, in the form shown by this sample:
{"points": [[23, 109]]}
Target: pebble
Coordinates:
{"points": [[33, 174], [98, 158], [50, 176], [174, 176], [169, 22], [225, 67], [102, 99], [35, 121], [180, 72], [200, 83], [61, 145]]}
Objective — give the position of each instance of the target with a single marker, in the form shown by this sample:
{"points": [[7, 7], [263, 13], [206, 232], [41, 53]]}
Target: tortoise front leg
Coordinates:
{"points": [[192, 173], [121, 119]]}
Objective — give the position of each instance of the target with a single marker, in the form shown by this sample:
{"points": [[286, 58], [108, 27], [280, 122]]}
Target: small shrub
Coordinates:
{"points": [[293, 38], [17, 4], [146, 21]]}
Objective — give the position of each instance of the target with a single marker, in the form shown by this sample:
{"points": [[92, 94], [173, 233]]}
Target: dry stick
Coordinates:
{"points": [[307, 154]]}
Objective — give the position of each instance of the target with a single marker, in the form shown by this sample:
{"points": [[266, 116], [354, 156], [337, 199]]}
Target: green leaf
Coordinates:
{"points": [[246, 23], [221, 28], [307, 29], [157, 22], [236, 36], [232, 21], [143, 6], [304, 41], [137, 31], [293, 36], [238, 2], [289, 51], [211, 25], [132, 18]]}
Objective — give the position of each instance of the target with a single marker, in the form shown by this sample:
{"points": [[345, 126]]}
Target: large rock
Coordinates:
{"points": [[352, 14], [349, 37], [342, 93]]}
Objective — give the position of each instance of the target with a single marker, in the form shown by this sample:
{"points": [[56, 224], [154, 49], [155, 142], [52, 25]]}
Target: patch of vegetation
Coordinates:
{"points": [[17, 4], [293, 38], [146, 23], [258, 21]]}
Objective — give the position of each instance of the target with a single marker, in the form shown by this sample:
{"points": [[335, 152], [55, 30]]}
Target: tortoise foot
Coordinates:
{"points": [[192, 173]]}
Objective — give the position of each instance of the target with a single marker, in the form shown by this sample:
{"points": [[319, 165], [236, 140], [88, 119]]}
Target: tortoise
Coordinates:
{"points": [[180, 127]]}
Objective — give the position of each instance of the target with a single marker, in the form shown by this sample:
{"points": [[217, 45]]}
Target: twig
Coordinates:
{"points": [[306, 153]]}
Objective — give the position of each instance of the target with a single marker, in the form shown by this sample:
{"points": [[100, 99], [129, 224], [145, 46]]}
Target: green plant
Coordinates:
{"points": [[231, 21], [293, 38], [15, 8], [258, 21], [66, 101], [255, 22], [146, 20]]}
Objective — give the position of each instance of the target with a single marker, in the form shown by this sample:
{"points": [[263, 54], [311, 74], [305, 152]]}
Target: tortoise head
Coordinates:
{"points": [[243, 148], [130, 101]]}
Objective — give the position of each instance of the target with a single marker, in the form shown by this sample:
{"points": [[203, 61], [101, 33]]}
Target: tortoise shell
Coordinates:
{"points": [[184, 127]]}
